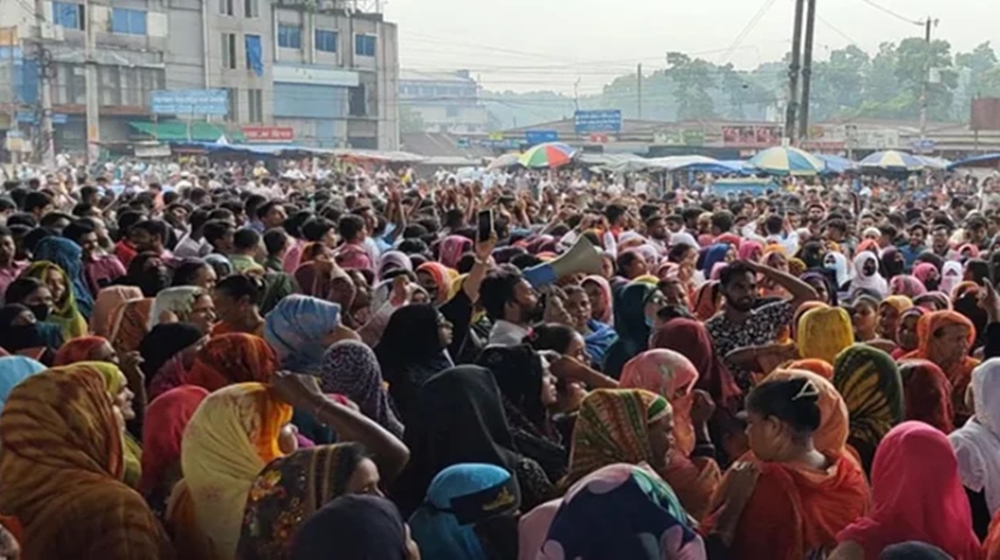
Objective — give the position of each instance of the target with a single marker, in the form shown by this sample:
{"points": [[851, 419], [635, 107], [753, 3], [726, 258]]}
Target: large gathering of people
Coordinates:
{"points": [[213, 362]]}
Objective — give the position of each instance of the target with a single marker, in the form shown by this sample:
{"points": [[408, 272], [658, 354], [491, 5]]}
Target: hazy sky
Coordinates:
{"points": [[526, 45]]}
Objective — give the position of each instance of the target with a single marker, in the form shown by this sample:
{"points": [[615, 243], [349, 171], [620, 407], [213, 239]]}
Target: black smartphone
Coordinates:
{"points": [[485, 222]]}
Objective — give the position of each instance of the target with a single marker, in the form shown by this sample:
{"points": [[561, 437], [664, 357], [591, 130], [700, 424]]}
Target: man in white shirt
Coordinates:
{"points": [[511, 303]]}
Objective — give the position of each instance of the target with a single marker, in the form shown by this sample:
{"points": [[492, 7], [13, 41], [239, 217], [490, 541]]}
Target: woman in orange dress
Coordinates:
{"points": [[946, 338]]}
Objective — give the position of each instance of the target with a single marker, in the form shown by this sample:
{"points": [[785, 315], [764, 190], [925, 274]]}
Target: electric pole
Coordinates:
{"points": [[93, 95], [47, 144], [807, 57], [638, 79], [925, 88], [793, 74]]}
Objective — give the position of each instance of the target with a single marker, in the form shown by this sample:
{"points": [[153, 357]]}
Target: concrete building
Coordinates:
{"points": [[443, 101], [312, 72]]}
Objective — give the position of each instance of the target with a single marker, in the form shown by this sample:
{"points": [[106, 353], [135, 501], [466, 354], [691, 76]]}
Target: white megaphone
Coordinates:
{"points": [[583, 257]]}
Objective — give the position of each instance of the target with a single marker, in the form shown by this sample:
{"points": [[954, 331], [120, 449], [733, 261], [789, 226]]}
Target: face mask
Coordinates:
{"points": [[41, 311]]}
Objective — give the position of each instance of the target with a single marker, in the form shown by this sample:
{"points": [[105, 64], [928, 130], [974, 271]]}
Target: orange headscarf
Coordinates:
{"points": [[959, 373], [78, 350], [707, 300], [820, 367], [232, 358], [442, 276]]}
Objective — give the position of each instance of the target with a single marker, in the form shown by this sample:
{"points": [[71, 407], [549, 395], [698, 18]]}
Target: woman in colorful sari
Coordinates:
{"points": [[68, 256], [808, 491], [233, 434], [13, 370], [436, 278], [300, 329], [108, 308], [290, 489], [869, 381], [351, 369], [469, 513], [65, 312], [691, 468], [946, 339], [62, 463], [927, 394], [232, 358], [707, 301], [621, 511], [167, 353], [977, 444], [133, 325], [117, 386], [913, 459], [162, 430]]}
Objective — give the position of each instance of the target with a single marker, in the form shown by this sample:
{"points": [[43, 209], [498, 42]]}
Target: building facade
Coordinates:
{"points": [[443, 102], [310, 72]]}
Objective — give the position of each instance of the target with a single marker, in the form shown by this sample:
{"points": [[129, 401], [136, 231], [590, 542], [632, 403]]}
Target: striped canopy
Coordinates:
{"points": [[787, 161], [892, 160]]}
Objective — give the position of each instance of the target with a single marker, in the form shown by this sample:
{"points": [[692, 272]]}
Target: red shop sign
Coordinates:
{"points": [[269, 133]]}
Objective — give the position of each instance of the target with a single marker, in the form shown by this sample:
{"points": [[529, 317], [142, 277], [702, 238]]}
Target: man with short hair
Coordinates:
{"points": [[150, 236], [914, 245], [271, 214], [246, 247], [511, 302], [99, 268]]}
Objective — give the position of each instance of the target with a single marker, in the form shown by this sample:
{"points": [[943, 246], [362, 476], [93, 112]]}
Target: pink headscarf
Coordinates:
{"points": [[906, 285], [747, 249], [602, 282], [923, 271], [717, 270], [452, 248], [672, 376]]}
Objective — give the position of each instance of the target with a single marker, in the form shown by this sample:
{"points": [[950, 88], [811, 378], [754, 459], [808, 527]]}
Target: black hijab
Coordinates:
{"points": [[149, 273], [352, 527], [163, 343], [459, 419]]}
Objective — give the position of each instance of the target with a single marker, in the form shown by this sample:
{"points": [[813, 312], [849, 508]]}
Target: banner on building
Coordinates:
{"points": [[268, 133], [604, 120], [756, 136], [535, 137], [189, 102]]}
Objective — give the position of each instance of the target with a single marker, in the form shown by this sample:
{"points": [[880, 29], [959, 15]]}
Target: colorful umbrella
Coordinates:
{"points": [[787, 161], [892, 160], [550, 154]]}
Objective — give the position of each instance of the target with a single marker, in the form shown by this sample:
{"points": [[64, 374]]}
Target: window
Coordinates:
{"points": [[128, 22], [255, 54], [255, 105], [289, 36], [451, 112], [357, 102], [229, 50], [251, 8], [364, 45], [68, 15], [326, 40], [226, 7], [233, 105]]}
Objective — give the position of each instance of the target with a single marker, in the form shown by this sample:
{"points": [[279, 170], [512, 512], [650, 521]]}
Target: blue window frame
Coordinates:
{"points": [[326, 40], [364, 45], [128, 22], [68, 15], [289, 36]]}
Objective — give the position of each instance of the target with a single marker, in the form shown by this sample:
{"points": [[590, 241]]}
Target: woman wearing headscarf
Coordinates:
{"points": [[175, 305], [117, 386], [890, 312], [837, 262], [351, 369], [300, 329], [906, 285], [437, 280], [823, 333], [621, 511], [469, 513], [713, 255], [812, 253], [635, 312], [13, 370], [475, 430], [411, 351], [821, 281], [162, 430], [22, 334], [691, 468], [977, 444], [528, 392], [867, 276], [133, 325], [61, 461], [290, 489], [598, 337], [945, 339], [167, 353], [149, 273], [928, 275], [392, 261], [601, 298], [927, 394], [892, 261], [821, 368], [690, 339], [750, 251], [65, 312], [232, 435], [869, 381], [108, 307], [906, 333], [68, 257], [232, 358], [809, 489], [903, 508], [85, 349], [452, 248], [951, 276], [357, 528]]}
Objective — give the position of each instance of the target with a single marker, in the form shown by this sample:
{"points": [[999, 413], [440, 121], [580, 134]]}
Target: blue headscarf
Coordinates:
{"points": [[622, 511], [296, 329], [13, 370], [630, 324], [599, 341], [68, 256], [714, 254], [459, 497]]}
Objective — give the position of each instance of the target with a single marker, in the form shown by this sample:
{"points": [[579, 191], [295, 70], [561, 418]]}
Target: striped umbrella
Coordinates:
{"points": [[550, 154], [892, 160], [787, 161]]}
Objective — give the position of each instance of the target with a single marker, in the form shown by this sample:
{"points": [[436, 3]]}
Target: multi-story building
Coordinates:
{"points": [[443, 101], [310, 72]]}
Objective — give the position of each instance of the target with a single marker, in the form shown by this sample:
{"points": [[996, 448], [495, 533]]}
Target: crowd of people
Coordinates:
{"points": [[216, 365]]}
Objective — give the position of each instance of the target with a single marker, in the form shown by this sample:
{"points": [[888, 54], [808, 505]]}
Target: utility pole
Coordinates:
{"points": [[638, 79], [925, 89], [793, 74], [807, 57], [48, 145], [93, 95]]}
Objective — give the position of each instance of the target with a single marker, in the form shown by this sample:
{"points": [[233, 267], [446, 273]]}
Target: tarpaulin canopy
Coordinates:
{"points": [[178, 131], [982, 160]]}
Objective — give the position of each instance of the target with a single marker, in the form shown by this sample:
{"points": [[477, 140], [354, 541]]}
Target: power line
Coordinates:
{"points": [[892, 13], [836, 30], [764, 8]]}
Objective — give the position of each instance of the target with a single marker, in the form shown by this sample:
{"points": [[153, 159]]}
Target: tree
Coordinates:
{"points": [[838, 84], [692, 81]]}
